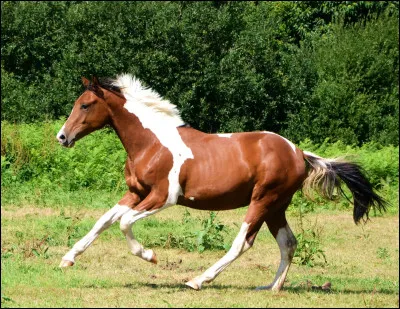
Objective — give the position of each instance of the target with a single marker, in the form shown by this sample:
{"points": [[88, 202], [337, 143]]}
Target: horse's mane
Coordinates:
{"points": [[135, 92]]}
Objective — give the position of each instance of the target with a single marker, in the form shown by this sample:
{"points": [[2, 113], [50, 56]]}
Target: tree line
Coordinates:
{"points": [[304, 69]]}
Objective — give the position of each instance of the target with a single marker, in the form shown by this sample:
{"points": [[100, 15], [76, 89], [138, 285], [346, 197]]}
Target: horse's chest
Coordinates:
{"points": [[149, 169]]}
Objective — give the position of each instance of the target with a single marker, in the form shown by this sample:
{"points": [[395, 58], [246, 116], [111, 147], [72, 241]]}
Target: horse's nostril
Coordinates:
{"points": [[62, 136]]}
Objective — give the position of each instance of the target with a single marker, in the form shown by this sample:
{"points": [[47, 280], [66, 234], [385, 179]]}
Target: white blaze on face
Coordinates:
{"points": [[162, 118], [61, 132]]}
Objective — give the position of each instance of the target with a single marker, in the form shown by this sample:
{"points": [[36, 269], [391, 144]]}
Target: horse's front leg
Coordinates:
{"points": [[114, 214], [149, 206]]}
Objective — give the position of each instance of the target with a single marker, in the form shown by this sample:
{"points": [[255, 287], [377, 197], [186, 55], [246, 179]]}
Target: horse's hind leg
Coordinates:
{"points": [[103, 223], [243, 241], [287, 245]]}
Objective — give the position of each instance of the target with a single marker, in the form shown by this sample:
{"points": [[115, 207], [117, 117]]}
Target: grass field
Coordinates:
{"points": [[362, 262]]}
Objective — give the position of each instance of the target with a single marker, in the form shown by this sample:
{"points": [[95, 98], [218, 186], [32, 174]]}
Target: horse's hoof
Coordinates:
{"points": [[326, 286], [193, 285], [154, 259], [66, 263]]}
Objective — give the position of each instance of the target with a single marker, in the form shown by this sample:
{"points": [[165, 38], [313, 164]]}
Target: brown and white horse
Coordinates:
{"points": [[171, 163]]}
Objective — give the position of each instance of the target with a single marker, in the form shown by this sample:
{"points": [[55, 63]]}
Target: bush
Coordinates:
{"points": [[350, 90], [31, 153], [287, 67]]}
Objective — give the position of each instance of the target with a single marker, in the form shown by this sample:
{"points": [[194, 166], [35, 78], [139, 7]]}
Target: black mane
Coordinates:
{"points": [[106, 83]]}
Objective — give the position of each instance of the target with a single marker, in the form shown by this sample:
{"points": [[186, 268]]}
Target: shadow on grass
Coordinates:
{"points": [[182, 286], [289, 289], [303, 289]]}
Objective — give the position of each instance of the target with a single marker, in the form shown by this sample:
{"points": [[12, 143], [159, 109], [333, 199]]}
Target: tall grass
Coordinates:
{"points": [[35, 169]]}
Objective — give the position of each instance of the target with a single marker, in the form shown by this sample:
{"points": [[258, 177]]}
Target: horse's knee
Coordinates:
{"points": [[125, 224]]}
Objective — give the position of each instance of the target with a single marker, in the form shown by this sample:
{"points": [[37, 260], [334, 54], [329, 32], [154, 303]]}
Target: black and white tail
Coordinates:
{"points": [[327, 174]]}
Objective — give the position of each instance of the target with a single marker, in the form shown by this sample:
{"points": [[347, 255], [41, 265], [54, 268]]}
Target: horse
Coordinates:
{"points": [[171, 163]]}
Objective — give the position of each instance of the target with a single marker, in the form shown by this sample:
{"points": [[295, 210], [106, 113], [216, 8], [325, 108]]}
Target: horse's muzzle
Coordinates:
{"points": [[63, 140]]}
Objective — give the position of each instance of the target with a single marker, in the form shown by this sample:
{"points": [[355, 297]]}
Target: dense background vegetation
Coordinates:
{"points": [[307, 69]]}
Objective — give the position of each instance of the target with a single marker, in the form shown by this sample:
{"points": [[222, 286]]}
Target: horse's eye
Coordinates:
{"points": [[84, 106]]}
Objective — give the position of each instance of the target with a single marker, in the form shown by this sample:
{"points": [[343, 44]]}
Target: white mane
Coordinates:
{"points": [[146, 103]]}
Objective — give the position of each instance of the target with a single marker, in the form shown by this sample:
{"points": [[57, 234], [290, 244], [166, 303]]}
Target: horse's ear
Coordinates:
{"points": [[95, 80], [96, 87], [85, 81]]}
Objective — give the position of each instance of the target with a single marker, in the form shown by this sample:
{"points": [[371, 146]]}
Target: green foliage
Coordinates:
{"points": [[208, 236], [308, 251], [31, 153], [350, 90], [382, 253], [5, 299], [313, 69]]}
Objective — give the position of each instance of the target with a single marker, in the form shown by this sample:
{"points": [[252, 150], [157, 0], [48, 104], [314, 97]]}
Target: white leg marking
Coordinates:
{"points": [[287, 245], [135, 247], [239, 246], [103, 223]]}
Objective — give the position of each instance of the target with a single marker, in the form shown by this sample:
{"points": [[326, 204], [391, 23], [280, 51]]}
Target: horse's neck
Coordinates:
{"points": [[130, 131]]}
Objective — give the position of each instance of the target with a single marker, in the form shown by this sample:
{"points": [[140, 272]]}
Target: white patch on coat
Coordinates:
{"points": [[226, 135], [289, 142], [162, 118]]}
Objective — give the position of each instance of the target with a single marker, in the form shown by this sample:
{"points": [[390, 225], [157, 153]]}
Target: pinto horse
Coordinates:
{"points": [[170, 163]]}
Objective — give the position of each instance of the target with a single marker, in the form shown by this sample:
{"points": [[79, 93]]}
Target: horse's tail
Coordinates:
{"points": [[325, 175]]}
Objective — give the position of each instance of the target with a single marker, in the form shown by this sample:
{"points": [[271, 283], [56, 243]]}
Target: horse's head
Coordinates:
{"points": [[90, 113]]}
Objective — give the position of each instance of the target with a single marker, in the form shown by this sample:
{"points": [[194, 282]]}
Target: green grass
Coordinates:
{"points": [[362, 263]]}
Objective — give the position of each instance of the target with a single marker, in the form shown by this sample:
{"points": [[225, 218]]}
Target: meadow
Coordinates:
{"points": [[361, 263], [51, 197]]}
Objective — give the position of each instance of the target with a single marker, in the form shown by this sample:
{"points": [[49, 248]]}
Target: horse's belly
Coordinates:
{"points": [[217, 190], [222, 201]]}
